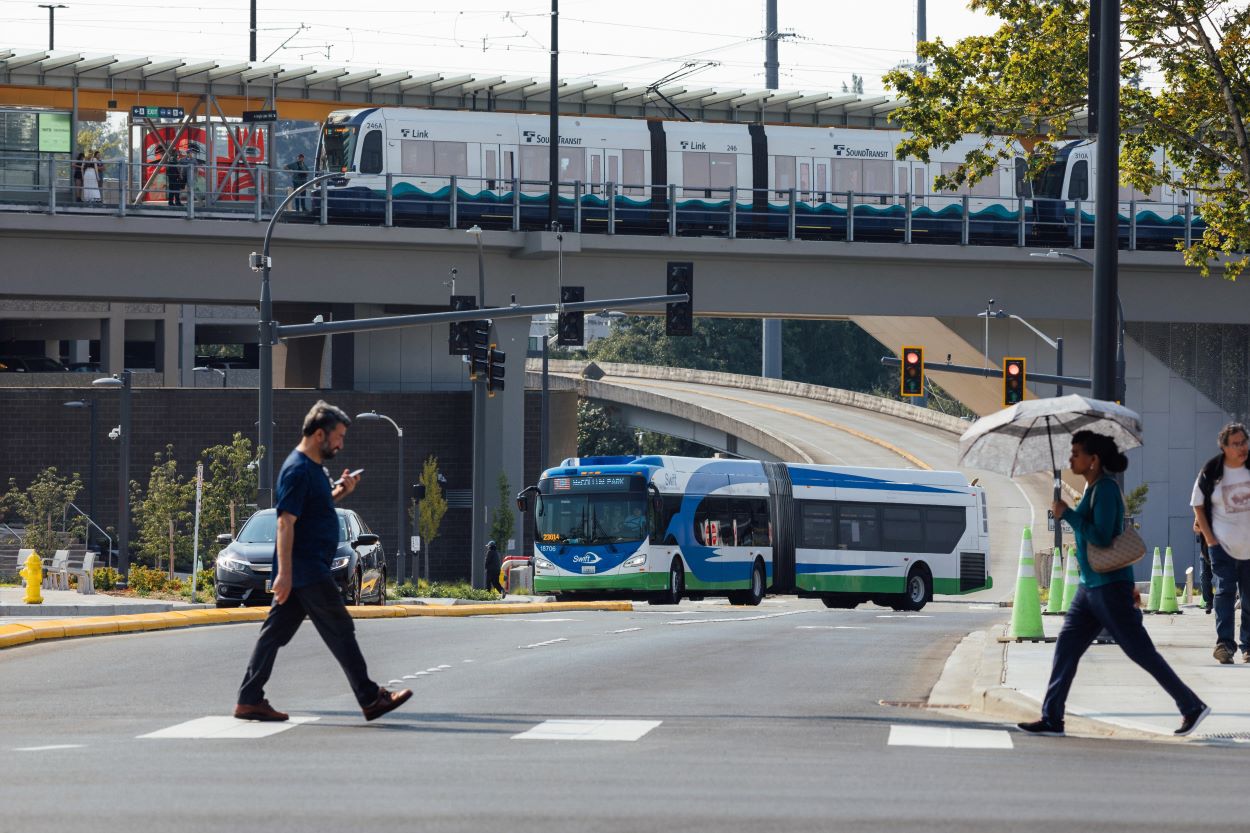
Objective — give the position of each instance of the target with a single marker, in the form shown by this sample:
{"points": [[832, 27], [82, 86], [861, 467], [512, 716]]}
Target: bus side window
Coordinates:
{"points": [[371, 153], [760, 524], [816, 525], [671, 507], [1078, 183], [859, 526]]}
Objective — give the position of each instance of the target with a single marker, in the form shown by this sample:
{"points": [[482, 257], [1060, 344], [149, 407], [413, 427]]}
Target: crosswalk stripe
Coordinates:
{"points": [[606, 730], [949, 738], [218, 726]]}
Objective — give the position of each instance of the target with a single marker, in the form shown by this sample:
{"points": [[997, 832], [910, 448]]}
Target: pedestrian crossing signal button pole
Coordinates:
{"points": [[1013, 381], [911, 381]]}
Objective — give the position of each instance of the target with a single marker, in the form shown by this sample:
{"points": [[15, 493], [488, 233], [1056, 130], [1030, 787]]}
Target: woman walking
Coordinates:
{"points": [[1104, 600]]}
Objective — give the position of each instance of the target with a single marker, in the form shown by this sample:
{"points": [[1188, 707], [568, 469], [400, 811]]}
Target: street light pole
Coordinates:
{"points": [[400, 526], [216, 370], [123, 382], [52, 7], [264, 428], [1119, 383], [89, 404], [477, 531]]}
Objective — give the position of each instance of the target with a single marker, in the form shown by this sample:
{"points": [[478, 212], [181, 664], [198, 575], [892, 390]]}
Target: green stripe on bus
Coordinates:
{"points": [[634, 581]]}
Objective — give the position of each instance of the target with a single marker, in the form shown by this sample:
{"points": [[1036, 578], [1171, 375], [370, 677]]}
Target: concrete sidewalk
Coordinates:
{"points": [[1112, 696], [60, 603]]}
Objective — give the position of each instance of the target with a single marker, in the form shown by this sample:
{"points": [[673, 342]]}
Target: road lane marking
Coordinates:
{"points": [[626, 630], [947, 738], [983, 607], [908, 616], [604, 730], [829, 628], [49, 748], [541, 644], [740, 618], [219, 726]]}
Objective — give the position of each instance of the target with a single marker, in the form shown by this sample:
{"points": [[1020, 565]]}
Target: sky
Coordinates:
{"points": [[638, 42]]}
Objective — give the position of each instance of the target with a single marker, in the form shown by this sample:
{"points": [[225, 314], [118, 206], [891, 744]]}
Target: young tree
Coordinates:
{"points": [[41, 506], [229, 489], [163, 512], [1027, 81], [427, 515], [502, 520]]}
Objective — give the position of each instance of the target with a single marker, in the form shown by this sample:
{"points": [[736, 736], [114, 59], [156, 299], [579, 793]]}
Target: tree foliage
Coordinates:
{"points": [[162, 512], [502, 521], [428, 514], [41, 506], [1027, 81], [229, 490]]}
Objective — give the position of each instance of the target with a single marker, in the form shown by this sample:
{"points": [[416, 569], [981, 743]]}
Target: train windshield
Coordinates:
{"points": [[1049, 183], [591, 510], [338, 148]]}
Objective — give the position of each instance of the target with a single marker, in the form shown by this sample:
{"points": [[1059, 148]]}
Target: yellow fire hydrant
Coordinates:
{"points": [[33, 573]]}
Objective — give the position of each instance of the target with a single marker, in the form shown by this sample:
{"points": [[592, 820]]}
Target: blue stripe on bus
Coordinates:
{"points": [[811, 477]]}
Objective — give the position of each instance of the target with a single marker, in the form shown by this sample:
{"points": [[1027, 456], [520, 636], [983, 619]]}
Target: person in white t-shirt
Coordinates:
{"points": [[1221, 502]]}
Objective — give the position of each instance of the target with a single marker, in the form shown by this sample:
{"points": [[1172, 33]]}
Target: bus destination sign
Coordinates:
{"points": [[590, 483]]}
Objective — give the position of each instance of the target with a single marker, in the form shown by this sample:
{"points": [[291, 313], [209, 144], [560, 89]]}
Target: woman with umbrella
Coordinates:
{"points": [[1104, 600]]}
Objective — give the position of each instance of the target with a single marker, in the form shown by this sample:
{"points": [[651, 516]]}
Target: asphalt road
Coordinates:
{"points": [[752, 719]]}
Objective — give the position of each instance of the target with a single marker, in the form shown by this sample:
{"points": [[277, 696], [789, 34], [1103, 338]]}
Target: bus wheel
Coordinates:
{"points": [[919, 589], [676, 585], [753, 596]]}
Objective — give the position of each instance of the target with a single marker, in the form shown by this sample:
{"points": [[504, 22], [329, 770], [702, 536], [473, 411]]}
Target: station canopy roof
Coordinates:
{"points": [[126, 76]]}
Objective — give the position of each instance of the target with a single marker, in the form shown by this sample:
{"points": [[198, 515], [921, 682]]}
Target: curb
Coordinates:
{"points": [[42, 610], [981, 659], [22, 634]]}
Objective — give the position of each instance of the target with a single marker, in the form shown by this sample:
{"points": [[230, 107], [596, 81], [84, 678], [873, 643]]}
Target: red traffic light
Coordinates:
{"points": [[1013, 369], [913, 357]]}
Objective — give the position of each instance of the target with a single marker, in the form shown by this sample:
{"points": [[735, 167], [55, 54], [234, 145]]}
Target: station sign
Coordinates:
{"points": [[258, 116], [142, 112]]}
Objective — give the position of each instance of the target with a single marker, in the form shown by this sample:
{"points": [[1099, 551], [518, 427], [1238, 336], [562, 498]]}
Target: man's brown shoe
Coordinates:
{"points": [[1223, 654], [260, 711], [387, 701]]}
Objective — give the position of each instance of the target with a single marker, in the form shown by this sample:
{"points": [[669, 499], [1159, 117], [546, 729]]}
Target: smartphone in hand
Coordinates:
{"points": [[356, 473]]}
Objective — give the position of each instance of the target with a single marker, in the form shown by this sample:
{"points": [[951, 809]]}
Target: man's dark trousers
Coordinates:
{"points": [[1232, 576], [322, 603], [1108, 606]]}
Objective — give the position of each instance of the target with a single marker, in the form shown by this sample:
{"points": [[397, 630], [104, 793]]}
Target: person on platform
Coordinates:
{"points": [[1221, 503]]}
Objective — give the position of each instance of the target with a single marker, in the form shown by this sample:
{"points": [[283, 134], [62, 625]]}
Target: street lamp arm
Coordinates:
{"points": [[1054, 345], [295, 192]]}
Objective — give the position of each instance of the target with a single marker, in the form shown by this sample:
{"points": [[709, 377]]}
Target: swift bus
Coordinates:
{"points": [[661, 528]]}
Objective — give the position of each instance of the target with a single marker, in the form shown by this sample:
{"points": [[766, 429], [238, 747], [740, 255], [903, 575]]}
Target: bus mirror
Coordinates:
{"points": [[523, 498]]}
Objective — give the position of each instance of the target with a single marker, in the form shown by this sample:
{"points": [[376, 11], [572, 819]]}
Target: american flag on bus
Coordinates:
{"points": [[563, 483]]}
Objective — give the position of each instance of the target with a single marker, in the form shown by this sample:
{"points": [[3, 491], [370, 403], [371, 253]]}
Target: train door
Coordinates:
{"points": [[490, 167], [612, 166], [594, 171], [910, 178], [821, 185], [806, 177]]}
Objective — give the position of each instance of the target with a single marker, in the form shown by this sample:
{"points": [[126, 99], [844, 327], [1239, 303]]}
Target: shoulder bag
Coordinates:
{"points": [[1125, 549]]}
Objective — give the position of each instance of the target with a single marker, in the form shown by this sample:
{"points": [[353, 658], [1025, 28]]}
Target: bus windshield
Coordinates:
{"points": [[338, 148], [595, 518]]}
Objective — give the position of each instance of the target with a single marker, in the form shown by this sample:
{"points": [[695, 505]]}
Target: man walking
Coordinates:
{"points": [[306, 540], [1221, 502]]}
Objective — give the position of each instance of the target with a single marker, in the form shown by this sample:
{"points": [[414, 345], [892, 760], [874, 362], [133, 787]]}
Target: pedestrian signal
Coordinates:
{"points": [[911, 381], [461, 332], [679, 317], [571, 326], [1013, 381]]}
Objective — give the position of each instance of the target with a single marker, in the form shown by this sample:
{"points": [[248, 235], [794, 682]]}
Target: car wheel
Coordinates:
{"points": [[354, 591], [382, 588]]}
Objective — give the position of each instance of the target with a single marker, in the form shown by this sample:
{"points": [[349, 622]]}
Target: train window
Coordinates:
{"points": [[451, 158], [572, 166], [722, 170], [535, 169], [696, 173], [986, 187], [948, 169], [633, 171], [877, 176], [848, 175], [783, 175], [859, 526], [816, 526], [416, 157], [507, 172], [596, 172], [1078, 182], [822, 182], [1024, 186], [491, 170], [944, 526], [902, 528], [371, 153], [805, 179]]}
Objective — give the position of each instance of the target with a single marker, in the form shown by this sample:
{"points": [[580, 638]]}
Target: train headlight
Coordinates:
{"points": [[638, 560], [543, 564]]}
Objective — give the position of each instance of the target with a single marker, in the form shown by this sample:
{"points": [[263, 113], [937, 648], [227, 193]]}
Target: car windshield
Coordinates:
{"points": [[261, 528], [601, 518]]}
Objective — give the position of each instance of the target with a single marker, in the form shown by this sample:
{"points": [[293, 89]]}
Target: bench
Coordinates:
{"points": [[54, 575], [84, 571]]}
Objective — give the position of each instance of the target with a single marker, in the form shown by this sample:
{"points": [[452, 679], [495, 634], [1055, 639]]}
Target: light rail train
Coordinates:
{"points": [[664, 528], [628, 173]]}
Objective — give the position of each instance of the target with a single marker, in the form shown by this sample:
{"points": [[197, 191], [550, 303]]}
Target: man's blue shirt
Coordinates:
{"points": [[304, 491]]}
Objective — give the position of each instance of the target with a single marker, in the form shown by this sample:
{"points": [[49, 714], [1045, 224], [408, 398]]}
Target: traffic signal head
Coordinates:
{"points": [[479, 348], [460, 332], [1013, 381], [911, 380], [679, 317], [570, 329], [495, 370]]}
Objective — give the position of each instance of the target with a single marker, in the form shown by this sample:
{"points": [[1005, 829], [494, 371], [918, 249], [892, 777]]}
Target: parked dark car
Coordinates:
{"points": [[244, 568], [30, 364]]}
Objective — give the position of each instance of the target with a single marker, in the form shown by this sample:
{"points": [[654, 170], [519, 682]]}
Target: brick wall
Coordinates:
{"points": [[40, 432]]}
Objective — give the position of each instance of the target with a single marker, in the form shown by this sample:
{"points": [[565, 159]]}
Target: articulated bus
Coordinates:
{"points": [[663, 528]]}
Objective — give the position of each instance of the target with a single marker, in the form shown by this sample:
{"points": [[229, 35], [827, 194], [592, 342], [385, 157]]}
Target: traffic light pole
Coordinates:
{"points": [[1043, 378]]}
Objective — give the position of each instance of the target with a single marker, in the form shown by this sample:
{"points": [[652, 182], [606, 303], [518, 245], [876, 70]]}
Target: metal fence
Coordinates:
{"points": [[56, 185]]}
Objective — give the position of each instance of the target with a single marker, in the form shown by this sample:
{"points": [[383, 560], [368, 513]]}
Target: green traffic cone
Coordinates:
{"points": [[1026, 611], [1073, 580], [1167, 594], [1054, 604], [1156, 583]]}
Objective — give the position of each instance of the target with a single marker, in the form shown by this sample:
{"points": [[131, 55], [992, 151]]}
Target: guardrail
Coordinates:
{"points": [[196, 190]]}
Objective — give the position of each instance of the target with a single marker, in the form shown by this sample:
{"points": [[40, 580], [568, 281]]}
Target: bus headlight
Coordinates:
{"points": [[638, 560], [543, 564]]}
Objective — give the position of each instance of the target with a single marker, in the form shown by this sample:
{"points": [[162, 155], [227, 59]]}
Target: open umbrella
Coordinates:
{"points": [[1022, 439]]}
